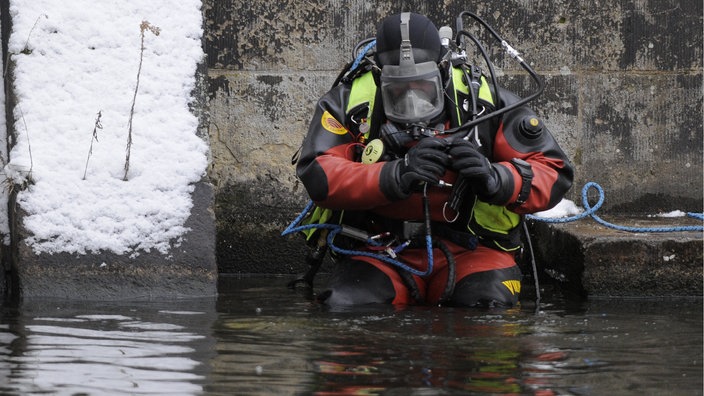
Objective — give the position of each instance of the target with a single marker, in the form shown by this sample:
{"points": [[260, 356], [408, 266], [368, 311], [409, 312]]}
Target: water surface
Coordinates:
{"points": [[260, 338]]}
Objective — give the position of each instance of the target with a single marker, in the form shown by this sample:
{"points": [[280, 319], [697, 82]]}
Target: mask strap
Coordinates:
{"points": [[406, 51]]}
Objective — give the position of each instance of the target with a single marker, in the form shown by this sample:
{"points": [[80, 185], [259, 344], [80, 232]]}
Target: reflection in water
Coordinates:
{"points": [[293, 346], [62, 352], [428, 349], [258, 338]]}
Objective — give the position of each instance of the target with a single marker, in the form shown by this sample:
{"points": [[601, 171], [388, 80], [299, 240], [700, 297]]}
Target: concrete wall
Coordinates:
{"points": [[623, 97]]}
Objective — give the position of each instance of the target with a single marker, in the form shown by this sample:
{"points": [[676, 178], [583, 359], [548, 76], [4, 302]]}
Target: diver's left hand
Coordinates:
{"points": [[476, 168]]}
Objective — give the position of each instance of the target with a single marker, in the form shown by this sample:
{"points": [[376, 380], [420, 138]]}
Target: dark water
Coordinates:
{"points": [[260, 338]]}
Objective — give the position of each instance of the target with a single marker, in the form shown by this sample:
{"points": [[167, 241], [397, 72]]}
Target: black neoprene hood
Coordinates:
{"points": [[423, 35]]}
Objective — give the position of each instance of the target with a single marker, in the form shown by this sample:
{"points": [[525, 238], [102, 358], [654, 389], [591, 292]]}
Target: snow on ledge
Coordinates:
{"points": [[75, 60]]}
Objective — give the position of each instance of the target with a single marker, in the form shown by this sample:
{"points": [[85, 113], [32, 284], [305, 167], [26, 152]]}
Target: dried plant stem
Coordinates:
{"points": [[25, 49], [97, 126], [24, 122], [155, 30]]}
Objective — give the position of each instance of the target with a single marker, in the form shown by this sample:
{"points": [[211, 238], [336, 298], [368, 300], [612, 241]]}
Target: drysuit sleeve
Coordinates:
{"points": [[327, 166], [522, 135]]}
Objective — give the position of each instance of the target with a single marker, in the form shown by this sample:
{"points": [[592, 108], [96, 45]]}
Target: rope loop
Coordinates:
{"points": [[590, 211]]}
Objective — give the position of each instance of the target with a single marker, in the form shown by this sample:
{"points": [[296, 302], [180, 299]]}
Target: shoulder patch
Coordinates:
{"points": [[331, 124]]}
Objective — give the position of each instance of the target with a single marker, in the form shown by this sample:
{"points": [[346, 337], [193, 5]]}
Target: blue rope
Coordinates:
{"points": [[298, 219], [699, 216], [591, 212], [362, 53], [381, 257], [336, 229]]}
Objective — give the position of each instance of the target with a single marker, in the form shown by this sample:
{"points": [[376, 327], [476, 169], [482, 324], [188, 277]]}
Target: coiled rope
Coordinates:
{"points": [[590, 211], [336, 229]]}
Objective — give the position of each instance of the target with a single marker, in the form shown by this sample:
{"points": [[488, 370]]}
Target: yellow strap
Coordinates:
{"points": [[459, 83], [317, 216], [485, 92], [457, 76], [363, 91]]}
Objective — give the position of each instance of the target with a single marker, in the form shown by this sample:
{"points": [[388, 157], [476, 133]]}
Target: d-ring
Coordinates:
{"points": [[444, 215]]}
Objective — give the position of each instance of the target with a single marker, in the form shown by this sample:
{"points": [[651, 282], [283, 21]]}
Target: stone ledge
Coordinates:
{"points": [[586, 258], [64, 276], [188, 270]]}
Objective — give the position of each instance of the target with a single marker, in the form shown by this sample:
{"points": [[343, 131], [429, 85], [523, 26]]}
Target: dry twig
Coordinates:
{"points": [[97, 126], [144, 26]]}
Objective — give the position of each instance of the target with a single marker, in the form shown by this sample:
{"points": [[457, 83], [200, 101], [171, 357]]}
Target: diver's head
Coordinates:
{"points": [[408, 50]]}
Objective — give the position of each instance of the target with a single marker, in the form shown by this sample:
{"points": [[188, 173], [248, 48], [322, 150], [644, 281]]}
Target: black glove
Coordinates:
{"points": [[424, 162], [472, 165]]}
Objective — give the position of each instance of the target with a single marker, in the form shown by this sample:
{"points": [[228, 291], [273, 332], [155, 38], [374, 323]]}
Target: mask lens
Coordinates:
{"points": [[412, 94]]}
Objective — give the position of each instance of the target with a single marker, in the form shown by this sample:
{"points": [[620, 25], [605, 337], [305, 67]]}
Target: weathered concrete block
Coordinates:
{"points": [[642, 142], [589, 259], [258, 121], [189, 270], [249, 232]]}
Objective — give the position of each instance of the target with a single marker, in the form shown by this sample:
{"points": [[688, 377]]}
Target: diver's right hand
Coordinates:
{"points": [[423, 163]]}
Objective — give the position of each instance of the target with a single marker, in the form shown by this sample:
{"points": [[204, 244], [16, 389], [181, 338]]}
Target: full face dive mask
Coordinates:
{"points": [[412, 93]]}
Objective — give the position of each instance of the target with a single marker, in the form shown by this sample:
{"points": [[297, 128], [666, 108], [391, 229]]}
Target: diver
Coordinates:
{"points": [[419, 151]]}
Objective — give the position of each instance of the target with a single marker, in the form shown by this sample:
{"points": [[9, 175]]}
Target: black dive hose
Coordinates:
{"points": [[412, 286], [534, 266], [407, 277], [502, 110], [342, 74], [489, 65], [451, 264], [314, 259], [451, 273], [514, 54], [461, 185]]}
